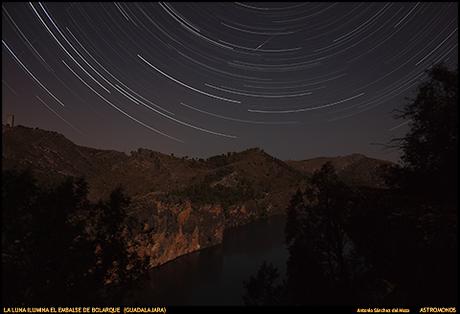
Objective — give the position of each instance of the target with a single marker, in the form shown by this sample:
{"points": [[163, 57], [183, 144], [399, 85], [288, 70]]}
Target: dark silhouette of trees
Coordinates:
{"points": [[295, 218], [329, 200], [18, 194], [45, 255], [318, 271], [263, 289], [116, 268], [50, 257], [430, 149], [393, 246], [425, 193]]}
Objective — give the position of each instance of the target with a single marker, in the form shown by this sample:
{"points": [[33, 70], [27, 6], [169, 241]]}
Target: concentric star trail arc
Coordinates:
{"points": [[204, 78]]}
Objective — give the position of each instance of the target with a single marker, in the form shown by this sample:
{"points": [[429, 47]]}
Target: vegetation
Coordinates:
{"points": [[48, 252], [395, 246], [262, 289], [430, 149], [203, 193], [209, 191]]}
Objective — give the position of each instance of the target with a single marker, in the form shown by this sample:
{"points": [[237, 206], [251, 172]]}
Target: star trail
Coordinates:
{"points": [[296, 79]]}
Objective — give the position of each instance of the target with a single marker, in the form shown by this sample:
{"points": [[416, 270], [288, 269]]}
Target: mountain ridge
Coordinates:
{"points": [[145, 151], [179, 204]]}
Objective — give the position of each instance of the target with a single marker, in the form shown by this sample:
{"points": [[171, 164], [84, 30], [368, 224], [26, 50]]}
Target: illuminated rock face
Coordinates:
{"points": [[169, 231], [162, 232]]}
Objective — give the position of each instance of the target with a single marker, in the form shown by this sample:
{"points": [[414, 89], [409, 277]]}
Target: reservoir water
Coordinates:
{"points": [[214, 276]]}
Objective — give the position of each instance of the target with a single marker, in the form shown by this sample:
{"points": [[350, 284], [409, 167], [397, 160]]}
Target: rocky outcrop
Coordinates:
{"points": [[161, 232]]}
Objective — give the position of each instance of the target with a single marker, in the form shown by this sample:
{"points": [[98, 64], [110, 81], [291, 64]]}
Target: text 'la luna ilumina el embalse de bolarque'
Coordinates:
{"points": [[111, 310]]}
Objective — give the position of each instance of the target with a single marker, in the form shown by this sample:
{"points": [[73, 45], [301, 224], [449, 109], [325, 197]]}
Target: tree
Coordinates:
{"points": [[45, 255], [294, 215], [327, 213], [427, 181], [318, 270], [115, 267], [430, 148], [383, 246], [305, 280], [19, 192], [48, 253], [262, 288]]}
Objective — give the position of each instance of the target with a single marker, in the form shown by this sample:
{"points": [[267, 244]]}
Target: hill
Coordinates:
{"points": [[354, 169], [178, 205]]}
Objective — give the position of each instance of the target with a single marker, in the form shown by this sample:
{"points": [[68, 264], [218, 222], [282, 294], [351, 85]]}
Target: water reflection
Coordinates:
{"points": [[215, 276]]}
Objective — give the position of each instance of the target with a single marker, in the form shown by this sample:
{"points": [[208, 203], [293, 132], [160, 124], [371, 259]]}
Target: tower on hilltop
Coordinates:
{"points": [[10, 120]]}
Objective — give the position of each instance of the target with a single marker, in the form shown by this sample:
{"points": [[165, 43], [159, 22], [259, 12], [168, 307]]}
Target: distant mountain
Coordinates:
{"points": [[355, 169], [179, 204]]}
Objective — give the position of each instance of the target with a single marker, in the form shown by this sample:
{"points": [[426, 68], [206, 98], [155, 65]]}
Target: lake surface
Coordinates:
{"points": [[214, 276]]}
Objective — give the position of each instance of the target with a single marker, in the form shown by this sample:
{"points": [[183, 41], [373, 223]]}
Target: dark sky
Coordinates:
{"points": [[299, 80]]}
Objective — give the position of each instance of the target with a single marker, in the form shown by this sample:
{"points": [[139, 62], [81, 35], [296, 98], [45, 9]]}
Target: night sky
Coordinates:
{"points": [[298, 80]]}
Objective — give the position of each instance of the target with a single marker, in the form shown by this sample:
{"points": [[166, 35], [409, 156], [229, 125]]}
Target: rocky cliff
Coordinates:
{"points": [[161, 232]]}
